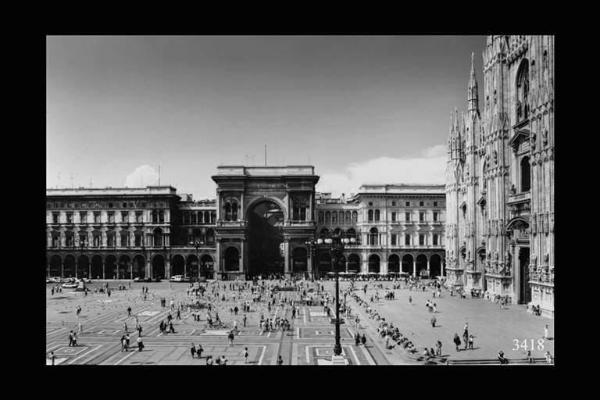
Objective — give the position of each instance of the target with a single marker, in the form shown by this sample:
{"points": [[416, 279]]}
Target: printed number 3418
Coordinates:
{"points": [[528, 344]]}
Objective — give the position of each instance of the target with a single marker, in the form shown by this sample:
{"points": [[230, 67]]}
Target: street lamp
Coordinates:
{"points": [[197, 245]]}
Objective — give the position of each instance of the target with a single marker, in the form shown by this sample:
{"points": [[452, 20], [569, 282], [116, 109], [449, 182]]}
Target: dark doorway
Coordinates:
{"points": [[158, 267], [524, 290], [435, 266], [299, 260], [394, 263], [264, 238]]}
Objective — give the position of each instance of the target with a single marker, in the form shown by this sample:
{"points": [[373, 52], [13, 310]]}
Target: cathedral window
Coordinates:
{"points": [[525, 175], [522, 91]]}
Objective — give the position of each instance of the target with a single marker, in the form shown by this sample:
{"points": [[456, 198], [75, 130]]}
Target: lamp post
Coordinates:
{"points": [[197, 245], [336, 249]]}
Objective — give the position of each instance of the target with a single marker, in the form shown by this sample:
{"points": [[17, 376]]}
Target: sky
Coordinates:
{"points": [[361, 109]]}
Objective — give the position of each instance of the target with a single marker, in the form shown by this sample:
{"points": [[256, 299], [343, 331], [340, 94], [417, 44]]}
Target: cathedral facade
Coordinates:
{"points": [[500, 175]]}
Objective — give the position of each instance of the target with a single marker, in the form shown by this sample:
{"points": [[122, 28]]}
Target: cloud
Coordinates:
{"points": [[142, 176], [425, 168]]}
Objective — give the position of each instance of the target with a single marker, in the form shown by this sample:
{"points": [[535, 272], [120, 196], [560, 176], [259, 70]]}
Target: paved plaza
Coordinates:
{"points": [[309, 341]]}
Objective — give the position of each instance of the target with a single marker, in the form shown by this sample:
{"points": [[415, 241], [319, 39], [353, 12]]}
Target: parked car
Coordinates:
{"points": [[177, 278], [70, 285]]}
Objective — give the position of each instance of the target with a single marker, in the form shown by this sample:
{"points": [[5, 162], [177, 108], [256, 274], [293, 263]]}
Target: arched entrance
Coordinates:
{"points": [[124, 267], [177, 264], [97, 267], [340, 265], [407, 264], [55, 266], [232, 259], [353, 263], [524, 289], [394, 263], [374, 263], [69, 267], [83, 266], [158, 267], [435, 265], [139, 267], [324, 263], [207, 266], [264, 238], [110, 267], [421, 265], [299, 260]]}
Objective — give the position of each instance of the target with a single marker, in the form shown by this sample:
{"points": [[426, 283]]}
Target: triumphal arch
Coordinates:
{"points": [[265, 216]]}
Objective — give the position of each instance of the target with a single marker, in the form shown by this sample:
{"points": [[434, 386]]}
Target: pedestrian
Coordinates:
{"points": [[357, 339], [456, 341], [280, 360], [471, 342], [125, 327], [245, 353], [410, 299], [140, 344], [70, 338], [129, 311], [127, 339], [139, 329], [546, 332], [223, 360], [363, 339], [438, 348], [244, 320], [199, 350], [52, 293], [548, 357], [171, 329], [79, 311], [52, 358], [123, 343], [209, 360], [193, 350], [530, 357], [433, 321], [501, 358], [230, 337]]}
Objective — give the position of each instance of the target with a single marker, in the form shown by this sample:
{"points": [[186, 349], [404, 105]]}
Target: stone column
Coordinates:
{"points": [[90, 268], [286, 257], [62, 268], [168, 267], [414, 267], [346, 265], [309, 262], [243, 256], [217, 262], [384, 268], [76, 266], [185, 268], [148, 268], [103, 269], [365, 263], [428, 270]]}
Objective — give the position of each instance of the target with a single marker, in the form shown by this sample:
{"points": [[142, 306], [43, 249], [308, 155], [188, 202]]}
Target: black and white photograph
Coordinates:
{"points": [[300, 200]]}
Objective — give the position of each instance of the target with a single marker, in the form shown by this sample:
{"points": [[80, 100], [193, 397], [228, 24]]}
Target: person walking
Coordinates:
{"points": [[52, 358], [129, 311], [139, 329], [199, 350], [433, 321], [410, 299], [140, 344], [471, 342], [438, 348], [363, 339], [280, 360], [123, 343], [244, 319], [457, 341], [70, 338], [230, 337], [193, 350], [245, 354]]}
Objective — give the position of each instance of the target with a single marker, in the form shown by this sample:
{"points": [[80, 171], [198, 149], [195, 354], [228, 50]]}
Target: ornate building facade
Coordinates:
{"points": [[263, 221], [500, 175]]}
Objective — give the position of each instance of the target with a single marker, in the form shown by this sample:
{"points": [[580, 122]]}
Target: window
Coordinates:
{"points": [[321, 216], [525, 175], [138, 238], [55, 217], [435, 216], [124, 205], [69, 218], [234, 211], [435, 203], [55, 239], [70, 239], [348, 218], [421, 217], [327, 217], [138, 217], [110, 205], [96, 217], [334, 217], [111, 217], [376, 215], [83, 239], [523, 91], [393, 217], [393, 239], [370, 203], [299, 210], [354, 217], [393, 204], [111, 239], [96, 239], [370, 215], [435, 240], [421, 240], [407, 217], [407, 240], [124, 216], [373, 234], [124, 239], [161, 217], [407, 204], [421, 204]]}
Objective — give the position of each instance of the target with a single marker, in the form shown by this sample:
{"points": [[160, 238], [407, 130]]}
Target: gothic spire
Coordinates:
{"points": [[472, 93]]}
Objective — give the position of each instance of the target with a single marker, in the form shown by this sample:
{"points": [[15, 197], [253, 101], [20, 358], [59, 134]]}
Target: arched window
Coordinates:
{"points": [[70, 238], [158, 239], [193, 218], [111, 239], [227, 211], [234, 211], [376, 215], [370, 216], [373, 236], [525, 175], [348, 221], [354, 217], [124, 238], [213, 217], [327, 217], [321, 217], [334, 217], [523, 91]]}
